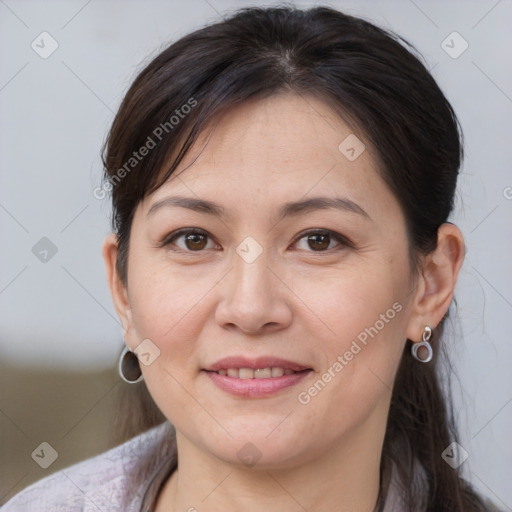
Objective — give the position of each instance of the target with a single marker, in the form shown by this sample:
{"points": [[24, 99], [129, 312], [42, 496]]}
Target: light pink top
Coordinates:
{"points": [[101, 483], [96, 484]]}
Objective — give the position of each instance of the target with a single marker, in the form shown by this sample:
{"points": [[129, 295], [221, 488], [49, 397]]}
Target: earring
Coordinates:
{"points": [[129, 368], [422, 351]]}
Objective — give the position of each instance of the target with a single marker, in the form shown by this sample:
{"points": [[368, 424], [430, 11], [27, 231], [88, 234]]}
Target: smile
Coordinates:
{"points": [[255, 378], [258, 373]]}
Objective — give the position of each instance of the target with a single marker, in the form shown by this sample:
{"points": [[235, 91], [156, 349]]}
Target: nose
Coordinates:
{"points": [[254, 300]]}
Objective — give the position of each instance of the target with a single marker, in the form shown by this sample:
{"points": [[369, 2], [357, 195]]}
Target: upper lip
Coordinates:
{"points": [[259, 362]]}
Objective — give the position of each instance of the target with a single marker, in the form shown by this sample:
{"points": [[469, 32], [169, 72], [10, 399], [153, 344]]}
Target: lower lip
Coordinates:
{"points": [[255, 388]]}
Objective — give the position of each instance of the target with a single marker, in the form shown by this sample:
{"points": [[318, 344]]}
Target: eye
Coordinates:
{"points": [[190, 240], [197, 240], [322, 241]]}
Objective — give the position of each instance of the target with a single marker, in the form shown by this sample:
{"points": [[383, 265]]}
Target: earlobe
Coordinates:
{"points": [[437, 282], [117, 287]]}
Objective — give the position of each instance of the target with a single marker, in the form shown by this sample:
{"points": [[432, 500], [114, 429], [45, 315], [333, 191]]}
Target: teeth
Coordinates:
{"points": [[246, 373], [259, 373], [263, 373], [277, 372]]}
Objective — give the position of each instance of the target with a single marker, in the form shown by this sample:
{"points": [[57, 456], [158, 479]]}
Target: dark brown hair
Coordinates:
{"points": [[374, 80]]}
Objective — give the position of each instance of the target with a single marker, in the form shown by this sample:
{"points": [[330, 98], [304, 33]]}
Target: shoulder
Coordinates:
{"points": [[95, 484]]}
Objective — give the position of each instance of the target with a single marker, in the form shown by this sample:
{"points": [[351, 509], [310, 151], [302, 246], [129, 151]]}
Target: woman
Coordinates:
{"points": [[282, 266]]}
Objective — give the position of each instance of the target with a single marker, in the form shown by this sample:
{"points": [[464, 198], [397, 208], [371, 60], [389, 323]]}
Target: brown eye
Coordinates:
{"points": [[319, 242], [322, 241], [196, 241], [189, 240]]}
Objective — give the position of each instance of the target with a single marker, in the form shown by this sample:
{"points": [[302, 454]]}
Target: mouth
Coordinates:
{"points": [[257, 373], [261, 377]]}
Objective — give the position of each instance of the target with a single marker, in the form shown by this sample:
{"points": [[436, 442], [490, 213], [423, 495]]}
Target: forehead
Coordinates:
{"points": [[279, 148], [286, 130]]}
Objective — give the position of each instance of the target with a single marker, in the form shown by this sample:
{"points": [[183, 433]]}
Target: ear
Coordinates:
{"points": [[436, 284], [118, 289]]}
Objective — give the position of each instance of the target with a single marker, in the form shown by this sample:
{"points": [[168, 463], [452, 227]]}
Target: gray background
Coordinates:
{"points": [[55, 113]]}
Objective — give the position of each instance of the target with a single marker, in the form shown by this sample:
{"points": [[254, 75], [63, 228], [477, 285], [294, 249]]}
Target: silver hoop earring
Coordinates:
{"points": [[424, 348], [129, 368]]}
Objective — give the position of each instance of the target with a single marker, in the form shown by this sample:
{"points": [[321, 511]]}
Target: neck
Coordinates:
{"points": [[345, 478]]}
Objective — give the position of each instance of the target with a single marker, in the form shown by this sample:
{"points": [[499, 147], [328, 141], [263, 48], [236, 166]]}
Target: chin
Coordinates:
{"points": [[259, 443]]}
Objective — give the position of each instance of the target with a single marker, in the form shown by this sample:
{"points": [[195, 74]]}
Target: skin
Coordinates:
{"points": [[293, 302]]}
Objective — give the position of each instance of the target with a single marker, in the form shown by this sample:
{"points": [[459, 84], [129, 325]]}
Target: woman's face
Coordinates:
{"points": [[300, 270]]}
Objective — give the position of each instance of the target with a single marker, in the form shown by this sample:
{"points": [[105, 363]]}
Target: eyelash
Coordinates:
{"points": [[343, 242]]}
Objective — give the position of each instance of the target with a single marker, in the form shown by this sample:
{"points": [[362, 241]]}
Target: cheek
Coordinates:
{"points": [[360, 323], [168, 306], [350, 302], [170, 310]]}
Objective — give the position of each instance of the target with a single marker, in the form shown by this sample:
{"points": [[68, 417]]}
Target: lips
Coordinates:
{"points": [[259, 373], [258, 366], [258, 377]]}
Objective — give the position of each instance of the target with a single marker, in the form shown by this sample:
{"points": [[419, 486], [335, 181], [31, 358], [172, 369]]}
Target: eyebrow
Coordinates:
{"points": [[292, 208], [198, 205], [320, 203]]}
